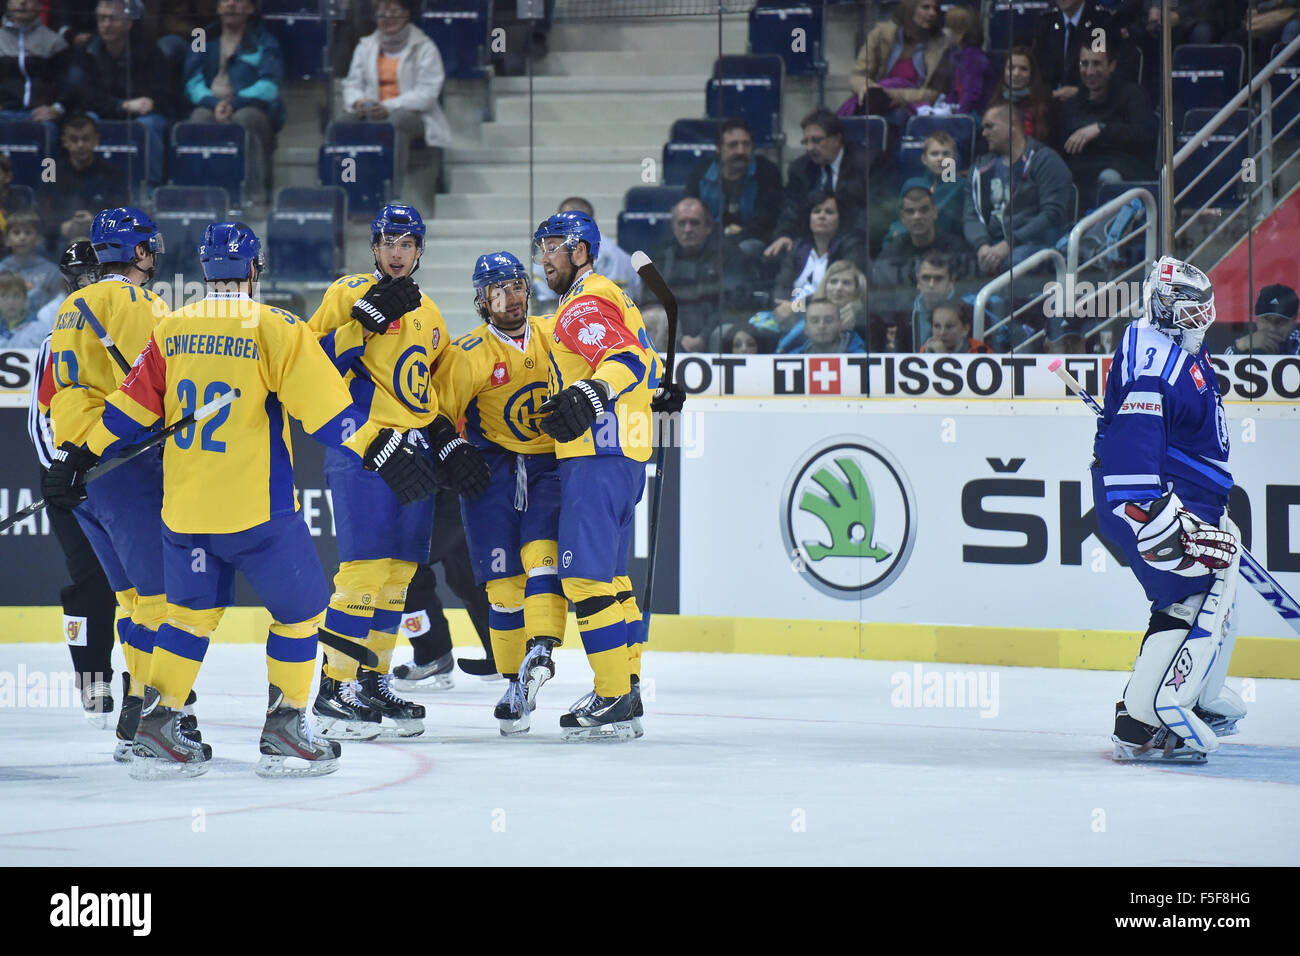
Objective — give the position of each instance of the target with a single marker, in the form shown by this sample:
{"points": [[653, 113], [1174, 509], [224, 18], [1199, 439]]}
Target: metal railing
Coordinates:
{"points": [[1103, 292], [1019, 270]]}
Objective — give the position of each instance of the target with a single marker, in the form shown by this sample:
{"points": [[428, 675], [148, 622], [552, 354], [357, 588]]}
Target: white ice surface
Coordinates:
{"points": [[746, 760]]}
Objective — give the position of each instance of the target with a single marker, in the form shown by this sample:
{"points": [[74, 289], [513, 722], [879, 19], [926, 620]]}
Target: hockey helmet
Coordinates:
{"points": [[115, 233], [493, 269], [573, 227], [227, 250], [396, 220], [1179, 298], [77, 262]]}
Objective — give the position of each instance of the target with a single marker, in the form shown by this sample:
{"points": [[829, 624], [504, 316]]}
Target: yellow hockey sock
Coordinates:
{"points": [[506, 622]]}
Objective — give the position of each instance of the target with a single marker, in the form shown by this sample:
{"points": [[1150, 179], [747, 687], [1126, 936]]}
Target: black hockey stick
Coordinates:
{"points": [[656, 284], [101, 333], [153, 441]]}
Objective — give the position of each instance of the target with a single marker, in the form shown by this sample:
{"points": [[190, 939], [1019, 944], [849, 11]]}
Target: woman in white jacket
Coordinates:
{"points": [[395, 77]]}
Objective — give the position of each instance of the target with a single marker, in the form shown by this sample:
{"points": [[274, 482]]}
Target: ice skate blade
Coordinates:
{"points": [[332, 728], [619, 730], [434, 682], [1224, 726], [391, 727], [537, 677], [122, 752], [100, 721], [158, 768], [515, 728], [637, 730], [274, 766], [1126, 752]]}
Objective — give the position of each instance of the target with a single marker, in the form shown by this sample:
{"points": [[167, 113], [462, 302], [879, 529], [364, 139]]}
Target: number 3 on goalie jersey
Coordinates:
{"points": [[187, 392]]}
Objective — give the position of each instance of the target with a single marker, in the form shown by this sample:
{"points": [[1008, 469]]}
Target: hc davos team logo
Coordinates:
{"points": [[411, 379], [521, 410], [849, 517]]}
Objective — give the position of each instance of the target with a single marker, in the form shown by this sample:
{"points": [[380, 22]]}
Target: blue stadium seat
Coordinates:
{"points": [[644, 230], [651, 198], [27, 145], [1227, 169], [459, 28], [210, 154], [290, 7], [860, 129], [190, 198], [695, 131], [1205, 76], [749, 87], [314, 205], [372, 147], [1016, 17], [125, 147], [1286, 106], [771, 31], [302, 42], [182, 214], [681, 158]]}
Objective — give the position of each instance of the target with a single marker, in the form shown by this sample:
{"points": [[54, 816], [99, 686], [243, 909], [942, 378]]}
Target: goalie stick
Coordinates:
{"points": [[656, 284], [1251, 569]]}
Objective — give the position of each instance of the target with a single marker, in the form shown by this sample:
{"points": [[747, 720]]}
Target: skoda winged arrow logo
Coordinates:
{"points": [[848, 517]]}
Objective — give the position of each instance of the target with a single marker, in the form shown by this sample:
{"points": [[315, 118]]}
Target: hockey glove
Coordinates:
{"points": [[1171, 538], [64, 484], [385, 302], [405, 469], [463, 465], [669, 399], [568, 414]]}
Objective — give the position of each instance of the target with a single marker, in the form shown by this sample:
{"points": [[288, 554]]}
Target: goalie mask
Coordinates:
{"points": [[1179, 301]]}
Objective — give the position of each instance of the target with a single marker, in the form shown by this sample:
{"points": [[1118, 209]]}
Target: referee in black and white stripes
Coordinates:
{"points": [[89, 605]]}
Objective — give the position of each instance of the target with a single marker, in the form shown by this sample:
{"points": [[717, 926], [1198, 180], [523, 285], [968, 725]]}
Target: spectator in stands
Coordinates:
{"points": [[830, 165], [235, 78], [33, 63], [709, 292], [901, 61], [74, 20], [950, 325], [825, 333], [655, 319], [845, 287], [1058, 36], [396, 77], [745, 340], [1109, 128], [805, 265], [742, 191], [117, 77], [1274, 22], [1274, 331], [1040, 181], [936, 283], [896, 264], [41, 277], [1064, 335], [1023, 85], [86, 184], [947, 185], [967, 65], [613, 262], [19, 326], [9, 201]]}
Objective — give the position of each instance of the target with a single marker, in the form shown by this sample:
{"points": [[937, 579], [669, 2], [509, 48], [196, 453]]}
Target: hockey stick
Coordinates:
{"points": [[656, 284], [1252, 570], [104, 467], [101, 333]]}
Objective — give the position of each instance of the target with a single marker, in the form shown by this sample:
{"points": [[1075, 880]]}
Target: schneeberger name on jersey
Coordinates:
{"points": [[233, 346]]}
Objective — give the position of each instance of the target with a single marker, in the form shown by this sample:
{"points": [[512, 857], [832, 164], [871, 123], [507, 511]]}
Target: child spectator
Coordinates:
{"points": [[967, 65], [41, 277], [825, 333], [19, 328], [950, 324]]}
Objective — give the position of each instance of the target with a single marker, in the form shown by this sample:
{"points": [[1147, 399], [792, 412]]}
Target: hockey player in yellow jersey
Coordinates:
{"points": [[496, 377], [384, 335], [120, 513], [229, 502], [603, 373]]}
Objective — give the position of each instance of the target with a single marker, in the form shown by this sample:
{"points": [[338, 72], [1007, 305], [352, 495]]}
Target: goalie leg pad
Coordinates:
{"points": [[1216, 696]]}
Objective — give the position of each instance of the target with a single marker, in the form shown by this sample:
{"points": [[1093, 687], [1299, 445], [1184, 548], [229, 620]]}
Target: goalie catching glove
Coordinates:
{"points": [[64, 484], [1171, 538], [385, 302], [569, 413], [463, 465], [402, 466]]}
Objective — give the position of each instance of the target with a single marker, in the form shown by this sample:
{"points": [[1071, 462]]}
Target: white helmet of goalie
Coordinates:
{"points": [[1179, 301]]}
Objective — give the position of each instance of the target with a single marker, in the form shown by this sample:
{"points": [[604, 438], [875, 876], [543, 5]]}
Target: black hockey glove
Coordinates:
{"points": [[385, 302], [669, 399], [463, 466], [64, 484], [404, 468], [568, 414]]}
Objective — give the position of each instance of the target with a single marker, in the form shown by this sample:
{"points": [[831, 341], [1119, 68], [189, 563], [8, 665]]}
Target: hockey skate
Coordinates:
{"points": [[537, 667], [599, 718], [436, 675], [398, 717], [288, 746], [512, 710], [485, 669], [1222, 713], [162, 747], [96, 700], [339, 714], [128, 718], [1136, 741], [637, 710]]}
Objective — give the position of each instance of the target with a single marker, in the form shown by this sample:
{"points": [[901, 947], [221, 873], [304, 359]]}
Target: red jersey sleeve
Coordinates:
{"points": [[146, 383], [592, 327]]}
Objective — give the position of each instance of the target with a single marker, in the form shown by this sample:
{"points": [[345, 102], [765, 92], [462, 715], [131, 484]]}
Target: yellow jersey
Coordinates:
{"points": [[234, 470], [599, 334], [388, 375], [498, 384], [83, 371]]}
